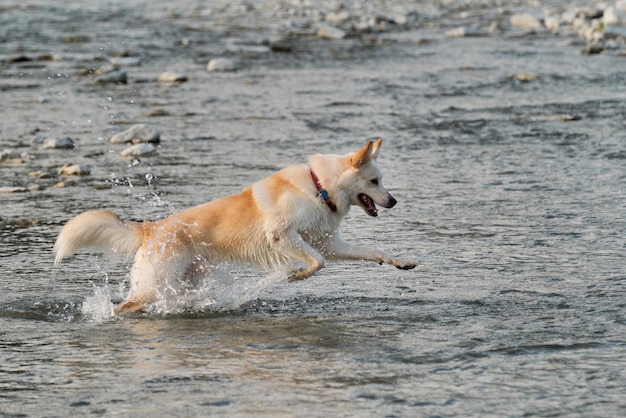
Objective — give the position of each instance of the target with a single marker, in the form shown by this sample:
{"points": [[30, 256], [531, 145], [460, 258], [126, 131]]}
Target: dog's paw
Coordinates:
{"points": [[404, 265], [296, 275]]}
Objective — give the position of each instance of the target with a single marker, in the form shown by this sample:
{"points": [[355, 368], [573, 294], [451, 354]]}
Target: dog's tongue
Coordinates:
{"points": [[370, 207]]}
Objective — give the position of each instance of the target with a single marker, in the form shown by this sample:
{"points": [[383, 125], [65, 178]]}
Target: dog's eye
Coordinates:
{"points": [[374, 182]]}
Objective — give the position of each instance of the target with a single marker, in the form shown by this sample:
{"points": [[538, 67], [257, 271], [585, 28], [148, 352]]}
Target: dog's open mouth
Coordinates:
{"points": [[368, 205]]}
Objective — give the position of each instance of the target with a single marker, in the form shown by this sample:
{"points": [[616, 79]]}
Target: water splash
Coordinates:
{"points": [[99, 306], [223, 289]]}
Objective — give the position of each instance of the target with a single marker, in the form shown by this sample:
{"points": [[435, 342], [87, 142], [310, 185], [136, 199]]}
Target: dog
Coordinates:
{"points": [[291, 216]]}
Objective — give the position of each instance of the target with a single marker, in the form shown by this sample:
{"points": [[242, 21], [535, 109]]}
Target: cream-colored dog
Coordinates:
{"points": [[292, 215]]}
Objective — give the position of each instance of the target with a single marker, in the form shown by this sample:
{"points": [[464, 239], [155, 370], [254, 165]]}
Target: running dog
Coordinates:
{"points": [[291, 216]]}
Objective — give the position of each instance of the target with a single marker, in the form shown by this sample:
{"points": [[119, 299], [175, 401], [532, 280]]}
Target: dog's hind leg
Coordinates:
{"points": [[143, 282]]}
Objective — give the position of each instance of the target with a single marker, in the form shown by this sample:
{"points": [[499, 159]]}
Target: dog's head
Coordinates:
{"points": [[364, 182]]}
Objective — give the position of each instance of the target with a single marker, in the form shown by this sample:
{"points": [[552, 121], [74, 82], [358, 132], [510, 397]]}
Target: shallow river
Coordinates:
{"points": [[511, 198]]}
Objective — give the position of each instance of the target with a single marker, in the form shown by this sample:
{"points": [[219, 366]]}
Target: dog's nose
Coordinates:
{"points": [[391, 202]]}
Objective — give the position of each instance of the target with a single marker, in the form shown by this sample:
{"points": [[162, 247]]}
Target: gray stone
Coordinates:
{"points": [[136, 134]]}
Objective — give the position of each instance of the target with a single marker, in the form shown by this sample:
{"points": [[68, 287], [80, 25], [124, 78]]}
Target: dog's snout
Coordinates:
{"points": [[391, 202]]}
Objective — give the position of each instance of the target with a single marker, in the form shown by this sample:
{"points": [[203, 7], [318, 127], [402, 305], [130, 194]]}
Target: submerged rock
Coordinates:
{"points": [[136, 134], [221, 65], [139, 150]]}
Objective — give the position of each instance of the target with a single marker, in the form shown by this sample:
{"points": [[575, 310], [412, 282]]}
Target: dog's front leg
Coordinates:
{"points": [[293, 246], [339, 249]]}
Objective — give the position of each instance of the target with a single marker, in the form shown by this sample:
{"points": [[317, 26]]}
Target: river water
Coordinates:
{"points": [[511, 198]]}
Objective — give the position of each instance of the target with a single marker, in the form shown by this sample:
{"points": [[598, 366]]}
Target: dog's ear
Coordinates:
{"points": [[363, 156], [376, 147]]}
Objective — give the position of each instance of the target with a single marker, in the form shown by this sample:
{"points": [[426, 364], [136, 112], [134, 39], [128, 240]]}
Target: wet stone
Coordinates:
{"points": [[337, 17], [41, 174], [137, 134], [119, 77], [463, 32], [58, 143], [8, 157], [326, 31], [592, 49], [64, 184], [221, 65], [552, 23], [568, 118], [525, 77], [525, 21], [615, 32], [10, 189], [172, 77], [126, 61], [70, 169], [139, 150]]}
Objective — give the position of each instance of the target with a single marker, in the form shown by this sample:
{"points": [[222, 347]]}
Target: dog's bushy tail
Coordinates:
{"points": [[99, 229]]}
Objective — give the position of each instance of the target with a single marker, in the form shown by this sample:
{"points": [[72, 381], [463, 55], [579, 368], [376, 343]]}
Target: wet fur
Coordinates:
{"points": [[276, 220]]}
